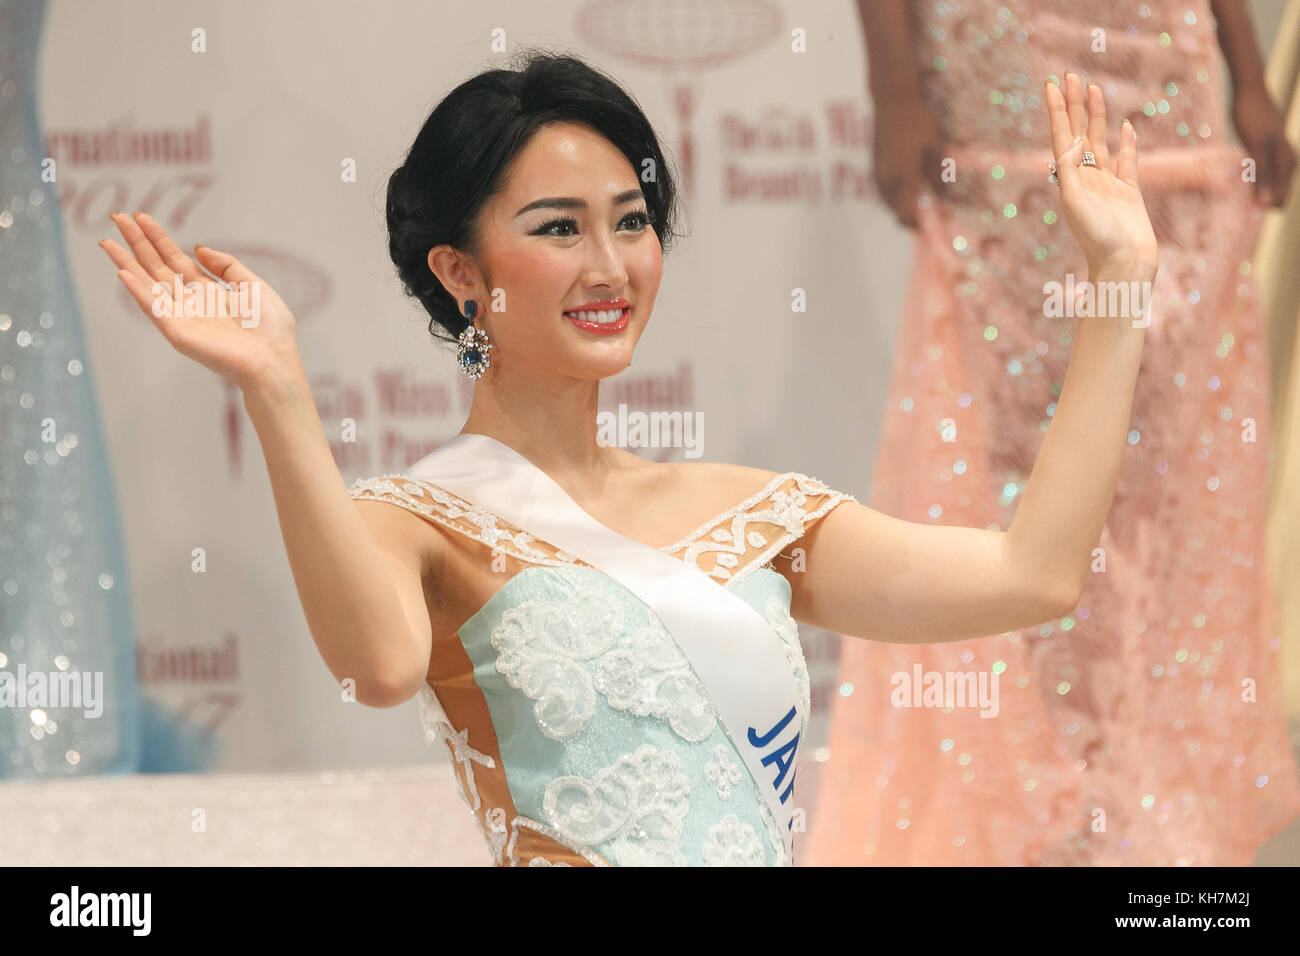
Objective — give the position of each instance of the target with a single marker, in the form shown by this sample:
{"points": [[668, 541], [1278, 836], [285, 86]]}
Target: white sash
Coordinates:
{"points": [[738, 657]]}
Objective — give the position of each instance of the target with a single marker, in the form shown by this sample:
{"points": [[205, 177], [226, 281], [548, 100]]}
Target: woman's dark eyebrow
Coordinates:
{"points": [[567, 202]]}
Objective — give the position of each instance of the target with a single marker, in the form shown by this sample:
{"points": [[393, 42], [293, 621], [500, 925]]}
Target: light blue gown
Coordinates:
{"points": [[609, 745]]}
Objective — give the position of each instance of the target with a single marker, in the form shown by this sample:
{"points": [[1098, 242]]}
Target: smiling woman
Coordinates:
{"points": [[448, 194], [607, 646]]}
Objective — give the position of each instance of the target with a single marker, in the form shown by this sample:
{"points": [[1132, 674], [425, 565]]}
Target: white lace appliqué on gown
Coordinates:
{"points": [[561, 653], [639, 804], [436, 727], [733, 843], [566, 653], [723, 772]]}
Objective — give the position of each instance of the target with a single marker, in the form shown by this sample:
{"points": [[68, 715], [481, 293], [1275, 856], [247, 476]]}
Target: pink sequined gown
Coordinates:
{"points": [[1128, 732]]}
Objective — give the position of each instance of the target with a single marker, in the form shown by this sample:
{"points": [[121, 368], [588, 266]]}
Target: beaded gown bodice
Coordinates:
{"points": [[577, 729]]}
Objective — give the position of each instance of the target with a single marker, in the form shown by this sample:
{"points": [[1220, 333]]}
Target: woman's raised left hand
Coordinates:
{"points": [[1102, 205]]}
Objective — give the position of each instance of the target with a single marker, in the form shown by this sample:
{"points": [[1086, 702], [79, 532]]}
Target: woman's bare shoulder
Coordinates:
{"points": [[720, 484]]}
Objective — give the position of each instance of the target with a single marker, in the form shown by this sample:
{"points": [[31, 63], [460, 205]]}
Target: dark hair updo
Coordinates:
{"points": [[467, 145]]}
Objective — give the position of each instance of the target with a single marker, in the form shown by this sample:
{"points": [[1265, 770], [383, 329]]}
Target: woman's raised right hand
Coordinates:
{"points": [[243, 331]]}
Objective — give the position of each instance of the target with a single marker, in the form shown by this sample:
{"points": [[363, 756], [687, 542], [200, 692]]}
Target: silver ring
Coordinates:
{"points": [[1051, 172], [1088, 159]]}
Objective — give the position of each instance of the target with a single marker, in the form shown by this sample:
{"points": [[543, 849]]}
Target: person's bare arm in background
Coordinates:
{"points": [[1254, 115], [905, 148]]}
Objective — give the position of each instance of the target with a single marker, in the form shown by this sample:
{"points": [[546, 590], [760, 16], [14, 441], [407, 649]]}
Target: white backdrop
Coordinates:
{"points": [[778, 147]]}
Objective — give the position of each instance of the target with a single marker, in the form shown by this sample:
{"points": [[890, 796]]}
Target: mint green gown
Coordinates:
{"points": [[577, 729]]}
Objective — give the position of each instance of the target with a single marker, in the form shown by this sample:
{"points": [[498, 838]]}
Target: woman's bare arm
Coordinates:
{"points": [[905, 153], [1236, 35], [1255, 116], [358, 572], [870, 575], [358, 567], [888, 34], [874, 576]]}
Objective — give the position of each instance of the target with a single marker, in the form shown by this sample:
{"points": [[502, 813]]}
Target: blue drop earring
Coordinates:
{"points": [[474, 348]]}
